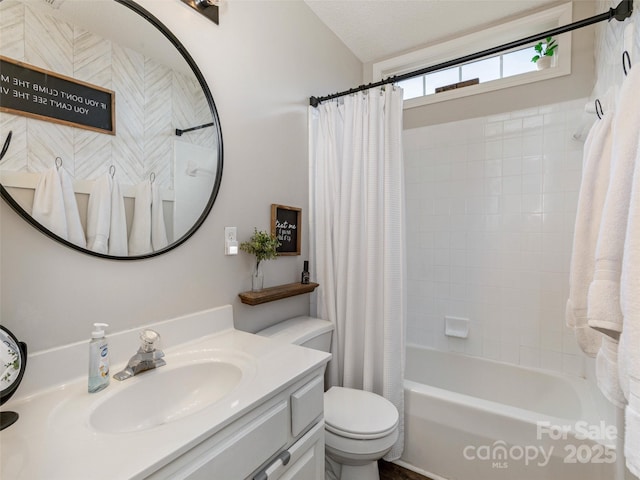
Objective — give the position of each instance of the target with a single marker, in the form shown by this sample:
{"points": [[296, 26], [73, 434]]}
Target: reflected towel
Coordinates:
{"points": [[118, 244], [158, 230], [74, 225], [99, 215], [48, 203], [596, 166], [140, 236], [604, 293], [55, 206]]}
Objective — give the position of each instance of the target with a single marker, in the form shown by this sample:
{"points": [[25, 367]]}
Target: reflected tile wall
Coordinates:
{"points": [[491, 206], [151, 101]]}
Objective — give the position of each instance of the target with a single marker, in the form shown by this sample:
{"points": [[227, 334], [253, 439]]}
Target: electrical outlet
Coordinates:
{"points": [[230, 241]]}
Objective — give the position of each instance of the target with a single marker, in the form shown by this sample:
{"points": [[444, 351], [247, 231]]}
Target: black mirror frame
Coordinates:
{"points": [[216, 187]]}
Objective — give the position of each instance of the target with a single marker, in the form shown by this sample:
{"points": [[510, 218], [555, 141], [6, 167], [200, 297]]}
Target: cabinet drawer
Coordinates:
{"points": [[237, 455], [306, 405], [305, 459]]}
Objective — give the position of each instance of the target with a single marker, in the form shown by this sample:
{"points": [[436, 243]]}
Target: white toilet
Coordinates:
{"points": [[360, 427]]}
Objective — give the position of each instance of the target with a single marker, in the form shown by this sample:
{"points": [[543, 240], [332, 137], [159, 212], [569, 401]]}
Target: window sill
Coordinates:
{"points": [[559, 70]]}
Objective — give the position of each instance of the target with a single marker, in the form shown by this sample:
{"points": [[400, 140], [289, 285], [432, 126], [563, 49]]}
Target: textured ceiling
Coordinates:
{"points": [[377, 29]]}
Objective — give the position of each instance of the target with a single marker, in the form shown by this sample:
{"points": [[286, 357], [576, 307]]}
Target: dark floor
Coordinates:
{"points": [[391, 471]]}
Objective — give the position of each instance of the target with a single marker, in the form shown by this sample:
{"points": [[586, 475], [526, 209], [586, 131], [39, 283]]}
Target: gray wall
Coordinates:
{"points": [[262, 63]]}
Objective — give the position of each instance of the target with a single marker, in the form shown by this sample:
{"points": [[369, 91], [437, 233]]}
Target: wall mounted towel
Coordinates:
{"points": [[596, 165], [604, 293]]}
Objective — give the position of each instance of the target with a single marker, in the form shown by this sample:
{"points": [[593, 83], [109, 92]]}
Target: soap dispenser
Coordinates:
{"points": [[98, 359]]}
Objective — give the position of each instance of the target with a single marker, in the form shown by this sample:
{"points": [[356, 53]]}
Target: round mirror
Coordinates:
{"points": [[119, 111], [13, 358]]}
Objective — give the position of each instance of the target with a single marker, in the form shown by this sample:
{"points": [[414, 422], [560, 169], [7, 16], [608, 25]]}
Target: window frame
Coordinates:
{"points": [[478, 41]]}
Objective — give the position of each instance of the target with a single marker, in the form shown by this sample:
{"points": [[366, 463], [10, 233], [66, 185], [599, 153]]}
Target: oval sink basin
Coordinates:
{"points": [[157, 397]]}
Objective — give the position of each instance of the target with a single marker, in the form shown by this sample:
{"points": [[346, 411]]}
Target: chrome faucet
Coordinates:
{"points": [[147, 357]]}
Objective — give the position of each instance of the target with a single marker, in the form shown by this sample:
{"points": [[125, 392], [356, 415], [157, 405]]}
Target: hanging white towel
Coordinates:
{"points": [[48, 203], [158, 229], [55, 206], [99, 215], [607, 372], [628, 351], [596, 165], [604, 293], [74, 225], [118, 244], [631, 445], [140, 236]]}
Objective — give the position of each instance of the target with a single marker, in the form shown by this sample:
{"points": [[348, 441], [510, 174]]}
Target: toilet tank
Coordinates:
{"points": [[305, 331]]}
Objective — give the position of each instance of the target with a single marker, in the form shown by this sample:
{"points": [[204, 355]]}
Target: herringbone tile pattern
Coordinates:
{"points": [[151, 101]]}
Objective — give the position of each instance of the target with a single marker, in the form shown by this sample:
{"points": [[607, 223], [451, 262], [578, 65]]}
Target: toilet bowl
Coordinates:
{"points": [[360, 427]]}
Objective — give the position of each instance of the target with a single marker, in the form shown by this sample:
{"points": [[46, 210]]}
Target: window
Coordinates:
{"points": [[486, 70], [504, 70]]}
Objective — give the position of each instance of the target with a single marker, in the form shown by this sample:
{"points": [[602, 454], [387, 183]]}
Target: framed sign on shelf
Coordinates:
{"points": [[286, 224]]}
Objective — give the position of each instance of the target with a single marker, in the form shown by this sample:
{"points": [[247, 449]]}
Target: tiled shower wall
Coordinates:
{"points": [[491, 206]]}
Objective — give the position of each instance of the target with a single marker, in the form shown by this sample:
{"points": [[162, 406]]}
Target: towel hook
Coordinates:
{"points": [[152, 177], [599, 110], [625, 55], [112, 171], [58, 162]]}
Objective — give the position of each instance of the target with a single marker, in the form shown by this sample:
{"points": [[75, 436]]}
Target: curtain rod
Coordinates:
{"points": [[620, 13]]}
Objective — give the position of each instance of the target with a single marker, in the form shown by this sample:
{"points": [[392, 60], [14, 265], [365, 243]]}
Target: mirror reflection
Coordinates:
{"points": [[140, 189]]}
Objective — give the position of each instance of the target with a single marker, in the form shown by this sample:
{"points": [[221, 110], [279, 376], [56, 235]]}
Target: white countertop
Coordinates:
{"points": [[54, 439]]}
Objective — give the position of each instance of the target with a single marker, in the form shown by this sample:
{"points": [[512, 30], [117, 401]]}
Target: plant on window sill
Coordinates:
{"points": [[545, 49]]}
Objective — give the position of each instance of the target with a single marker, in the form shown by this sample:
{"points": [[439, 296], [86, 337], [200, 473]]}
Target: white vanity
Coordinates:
{"points": [[228, 405]]}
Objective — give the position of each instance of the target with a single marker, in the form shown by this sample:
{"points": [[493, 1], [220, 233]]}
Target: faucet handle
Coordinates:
{"points": [[148, 340]]}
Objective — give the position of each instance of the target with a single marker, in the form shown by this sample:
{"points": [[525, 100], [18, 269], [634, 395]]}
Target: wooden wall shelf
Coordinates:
{"points": [[276, 293]]}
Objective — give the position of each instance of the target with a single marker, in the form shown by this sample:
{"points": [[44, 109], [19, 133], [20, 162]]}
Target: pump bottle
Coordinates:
{"points": [[98, 359]]}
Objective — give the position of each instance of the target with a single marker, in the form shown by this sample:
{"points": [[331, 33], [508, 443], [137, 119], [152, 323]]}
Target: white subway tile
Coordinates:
{"points": [[530, 357], [490, 210]]}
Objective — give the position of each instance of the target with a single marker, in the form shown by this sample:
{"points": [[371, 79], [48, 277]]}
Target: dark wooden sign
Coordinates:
{"points": [[37, 93], [286, 224]]}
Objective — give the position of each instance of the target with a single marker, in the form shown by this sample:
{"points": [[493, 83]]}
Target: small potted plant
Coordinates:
{"points": [[545, 50], [263, 245]]}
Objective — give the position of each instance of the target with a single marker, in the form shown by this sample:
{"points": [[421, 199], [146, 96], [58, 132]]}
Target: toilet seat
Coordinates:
{"points": [[359, 415]]}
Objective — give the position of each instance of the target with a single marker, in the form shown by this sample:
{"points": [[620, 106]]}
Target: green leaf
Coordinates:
{"points": [[538, 48], [535, 59], [262, 244]]}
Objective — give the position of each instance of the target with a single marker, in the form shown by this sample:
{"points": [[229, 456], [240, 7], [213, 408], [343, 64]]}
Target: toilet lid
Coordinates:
{"points": [[358, 414]]}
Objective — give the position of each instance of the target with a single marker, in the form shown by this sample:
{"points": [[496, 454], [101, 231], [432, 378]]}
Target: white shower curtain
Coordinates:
{"points": [[357, 224]]}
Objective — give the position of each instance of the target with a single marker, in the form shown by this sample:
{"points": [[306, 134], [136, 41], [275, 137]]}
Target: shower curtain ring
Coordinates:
{"points": [[58, 162], [625, 55], [599, 111]]}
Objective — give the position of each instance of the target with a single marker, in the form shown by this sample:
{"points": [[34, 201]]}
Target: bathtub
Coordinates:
{"points": [[469, 418]]}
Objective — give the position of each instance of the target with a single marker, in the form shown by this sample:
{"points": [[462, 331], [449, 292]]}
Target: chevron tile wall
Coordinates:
{"points": [[151, 101]]}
